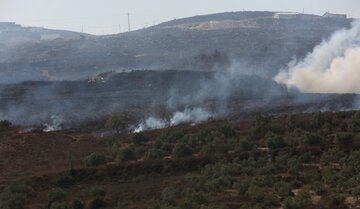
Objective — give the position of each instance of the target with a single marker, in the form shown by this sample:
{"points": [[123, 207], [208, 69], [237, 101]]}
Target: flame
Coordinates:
{"points": [[21, 132]]}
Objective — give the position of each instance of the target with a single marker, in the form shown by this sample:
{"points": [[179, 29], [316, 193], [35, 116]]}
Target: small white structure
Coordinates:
{"points": [[8, 25], [337, 16], [49, 37], [286, 15]]}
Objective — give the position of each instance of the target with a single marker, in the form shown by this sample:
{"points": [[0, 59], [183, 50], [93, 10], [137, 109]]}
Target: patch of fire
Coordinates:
{"points": [[22, 135]]}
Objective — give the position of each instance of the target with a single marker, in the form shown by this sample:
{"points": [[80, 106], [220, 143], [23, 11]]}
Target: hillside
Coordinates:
{"points": [[297, 161], [256, 40]]}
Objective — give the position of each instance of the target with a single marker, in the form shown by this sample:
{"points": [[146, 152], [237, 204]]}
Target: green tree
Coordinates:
{"points": [[125, 154], [95, 159], [262, 122], [274, 141], [115, 122], [344, 138], [181, 150]]}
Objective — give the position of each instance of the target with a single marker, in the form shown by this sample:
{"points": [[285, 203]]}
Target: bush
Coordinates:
{"points": [[139, 138], [77, 204], [96, 192], [14, 196], [181, 150], [283, 188], [115, 122], [125, 154], [169, 195], [344, 138], [65, 180], [262, 122], [291, 204], [337, 199], [227, 130], [312, 139], [245, 145], [274, 141], [255, 193], [140, 151], [318, 188], [57, 205], [97, 203], [153, 154], [354, 123], [5, 123], [56, 195], [95, 159]]}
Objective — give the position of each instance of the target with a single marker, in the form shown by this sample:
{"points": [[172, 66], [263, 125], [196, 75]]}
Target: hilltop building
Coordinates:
{"points": [[8, 25], [337, 16], [286, 15]]}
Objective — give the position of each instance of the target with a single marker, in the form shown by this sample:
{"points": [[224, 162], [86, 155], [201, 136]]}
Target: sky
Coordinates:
{"points": [[111, 16]]}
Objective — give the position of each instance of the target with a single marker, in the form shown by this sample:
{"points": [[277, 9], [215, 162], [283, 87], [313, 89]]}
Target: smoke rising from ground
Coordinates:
{"points": [[332, 67], [194, 115]]}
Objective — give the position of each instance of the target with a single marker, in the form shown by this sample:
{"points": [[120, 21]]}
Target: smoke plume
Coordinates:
{"points": [[332, 67], [194, 115]]}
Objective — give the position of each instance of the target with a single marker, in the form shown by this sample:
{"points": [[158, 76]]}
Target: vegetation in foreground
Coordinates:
{"points": [[294, 161]]}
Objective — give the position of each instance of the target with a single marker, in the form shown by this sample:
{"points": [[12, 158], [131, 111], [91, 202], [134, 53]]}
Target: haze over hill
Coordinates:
{"points": [[253, 39]]}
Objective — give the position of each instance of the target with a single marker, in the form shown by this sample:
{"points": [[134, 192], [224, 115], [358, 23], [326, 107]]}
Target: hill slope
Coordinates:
{"points": [[254, 39]]}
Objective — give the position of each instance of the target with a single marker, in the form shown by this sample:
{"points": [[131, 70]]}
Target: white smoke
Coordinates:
{"points": [[332, 67], [190, 115], [194, 115], [55, 124], [151, 123]]}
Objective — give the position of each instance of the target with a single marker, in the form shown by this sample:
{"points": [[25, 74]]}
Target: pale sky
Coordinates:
{"points": [[110, 16]]}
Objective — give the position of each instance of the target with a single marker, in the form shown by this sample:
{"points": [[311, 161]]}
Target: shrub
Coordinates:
{"points": [[95, 159], [305, 157], [318, 188], [245, 145], [14, 196], [95, 192], [57, 205], [271, 200], [169, 195], [65, 180], [354, 123], [56, 195], [344, 138], [255, 193], [262, 122], [303, 198], [140, 151], [227, 130], [125, 154], [319, 120], [115, 122], [5, 123], [167, 147], [139, 138], [77, 204], [337, 199], [97, 203], [274, 141], [181, 150], [291, 204], [153, 154], [243, 186], [283, 188], [312, 139]]}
